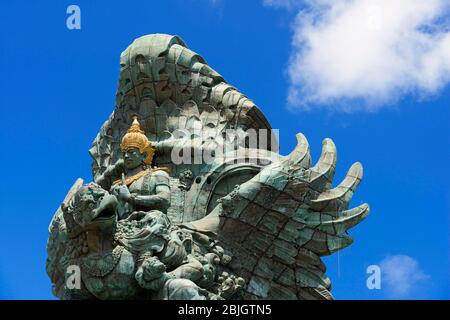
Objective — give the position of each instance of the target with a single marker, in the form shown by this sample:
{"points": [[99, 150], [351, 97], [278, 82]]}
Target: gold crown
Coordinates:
{"points": [[136, 138]]}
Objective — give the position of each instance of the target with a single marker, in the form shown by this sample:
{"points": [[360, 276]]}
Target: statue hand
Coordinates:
{"points": [[152, 274], [153, 269], [122, 193], [120, 164]]}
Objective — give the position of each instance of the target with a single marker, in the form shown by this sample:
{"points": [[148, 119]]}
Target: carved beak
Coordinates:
{"points": [[106, 209]]}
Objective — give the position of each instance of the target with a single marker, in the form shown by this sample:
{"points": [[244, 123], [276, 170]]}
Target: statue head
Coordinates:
{"points": [[92, 205], [135, 146]]}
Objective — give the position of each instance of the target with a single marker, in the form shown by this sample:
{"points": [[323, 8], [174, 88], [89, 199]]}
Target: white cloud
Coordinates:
{"points": [[367, 53], [400, 275]]}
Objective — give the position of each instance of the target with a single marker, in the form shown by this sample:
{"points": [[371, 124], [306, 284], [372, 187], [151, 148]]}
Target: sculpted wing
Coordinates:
{"points": [[278, 224], [57, 245], [175, 94], [276, 216]]}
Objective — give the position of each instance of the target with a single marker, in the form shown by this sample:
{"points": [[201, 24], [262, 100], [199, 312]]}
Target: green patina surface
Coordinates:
{"points": [[150, 228]]}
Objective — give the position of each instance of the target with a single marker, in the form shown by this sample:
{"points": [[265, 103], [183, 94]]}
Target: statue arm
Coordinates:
{"points": [[105, 180], [161, 199]]}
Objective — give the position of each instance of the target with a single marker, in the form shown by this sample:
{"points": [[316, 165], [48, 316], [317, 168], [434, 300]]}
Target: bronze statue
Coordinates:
{"points": [[248, 224], [133, 180]]}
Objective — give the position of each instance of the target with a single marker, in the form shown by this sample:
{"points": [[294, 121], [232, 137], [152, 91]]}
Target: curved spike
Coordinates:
{"points": [[300, 156], [189, 108], [166, 135], [180, 134], [321, 175], [323, 243], [209, 117], [351, 218], [348, 219], [194, 123], [337, 199], [336, 243]]}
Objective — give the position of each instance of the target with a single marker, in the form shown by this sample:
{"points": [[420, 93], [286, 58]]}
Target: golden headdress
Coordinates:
{"points": [[136, 138]]}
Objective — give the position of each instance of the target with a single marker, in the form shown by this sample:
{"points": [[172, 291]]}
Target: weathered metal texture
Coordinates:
{"points": [[249, 224], [283, 220], [172, 90]]}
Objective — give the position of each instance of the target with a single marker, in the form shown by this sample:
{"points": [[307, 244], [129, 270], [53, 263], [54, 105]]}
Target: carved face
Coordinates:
{"points": [[133, 158], [94, 205]]}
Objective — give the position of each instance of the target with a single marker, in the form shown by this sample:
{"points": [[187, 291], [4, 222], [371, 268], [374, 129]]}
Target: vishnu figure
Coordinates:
{"points": [[144, 195], [137, 185]]}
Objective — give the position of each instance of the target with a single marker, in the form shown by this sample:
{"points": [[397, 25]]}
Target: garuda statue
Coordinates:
{"points": [[160, 222]]}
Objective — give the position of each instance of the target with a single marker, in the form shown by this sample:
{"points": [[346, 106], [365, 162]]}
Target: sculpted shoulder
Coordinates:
{"points": [[161, 176], [162, 172]]}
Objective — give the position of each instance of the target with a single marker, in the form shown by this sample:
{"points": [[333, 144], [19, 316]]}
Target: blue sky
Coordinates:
{"points": [[58, 87]]}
